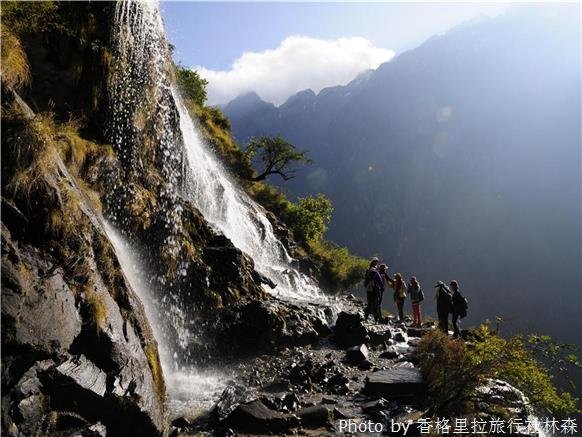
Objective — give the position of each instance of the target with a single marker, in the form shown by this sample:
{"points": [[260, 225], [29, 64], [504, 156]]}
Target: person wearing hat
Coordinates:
{"points": [[374, 284]]}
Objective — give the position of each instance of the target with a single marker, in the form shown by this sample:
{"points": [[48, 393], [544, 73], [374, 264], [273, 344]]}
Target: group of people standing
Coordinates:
{"points": [[449, 300]]}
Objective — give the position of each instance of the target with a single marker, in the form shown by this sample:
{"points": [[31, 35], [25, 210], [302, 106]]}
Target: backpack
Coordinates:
{"points": [[367, 278], [461, 305]]}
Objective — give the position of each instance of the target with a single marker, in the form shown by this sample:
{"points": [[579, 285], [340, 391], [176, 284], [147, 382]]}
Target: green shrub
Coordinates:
{"points": [[340, 270], [449, 373], [191, 85], [309, 217]]}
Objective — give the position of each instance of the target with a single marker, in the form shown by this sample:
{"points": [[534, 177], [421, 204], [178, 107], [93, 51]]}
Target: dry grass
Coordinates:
{"points": [[97, 308], [15, 68]]}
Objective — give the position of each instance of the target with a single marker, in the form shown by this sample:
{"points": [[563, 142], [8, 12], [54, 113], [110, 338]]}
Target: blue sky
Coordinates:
{"points": [[211, 36]]}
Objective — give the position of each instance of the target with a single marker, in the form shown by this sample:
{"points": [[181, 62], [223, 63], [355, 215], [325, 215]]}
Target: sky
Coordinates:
{"points": [[277, 49]]}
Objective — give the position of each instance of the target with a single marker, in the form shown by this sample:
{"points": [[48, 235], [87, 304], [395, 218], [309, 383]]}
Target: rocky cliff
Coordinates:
{"points": [[78, 350]]}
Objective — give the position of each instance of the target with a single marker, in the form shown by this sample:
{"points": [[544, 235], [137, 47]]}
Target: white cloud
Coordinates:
{"points": [[298, 63]]}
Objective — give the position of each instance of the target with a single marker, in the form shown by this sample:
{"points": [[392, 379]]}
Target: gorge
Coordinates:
{"points": [[147, 291]]}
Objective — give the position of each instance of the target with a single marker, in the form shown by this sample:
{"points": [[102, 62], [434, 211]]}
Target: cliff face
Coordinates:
{"points": [[78, 350]]}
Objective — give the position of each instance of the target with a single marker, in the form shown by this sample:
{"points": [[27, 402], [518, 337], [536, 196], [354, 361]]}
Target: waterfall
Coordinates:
{"points": [[142, 81], [235, 214], [151, 125], [188, 388]]}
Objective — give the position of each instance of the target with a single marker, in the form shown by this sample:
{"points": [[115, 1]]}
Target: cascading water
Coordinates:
{"points": [[150, 124], [225, 206], [189, 388]]}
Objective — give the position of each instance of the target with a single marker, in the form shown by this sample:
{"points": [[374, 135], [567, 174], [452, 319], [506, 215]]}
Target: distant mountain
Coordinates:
{"points": [[458, 159]]}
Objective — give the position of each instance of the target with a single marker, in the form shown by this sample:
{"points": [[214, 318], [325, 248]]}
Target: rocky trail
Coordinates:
{"points": [[355, 378], [355, 370]]}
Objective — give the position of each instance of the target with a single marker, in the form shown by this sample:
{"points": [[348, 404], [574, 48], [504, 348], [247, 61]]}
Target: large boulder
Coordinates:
{"points": [[38, 307], [349, 330], [357, 354], [78, 351], [314, 416], [255, 417], [395, 382]]}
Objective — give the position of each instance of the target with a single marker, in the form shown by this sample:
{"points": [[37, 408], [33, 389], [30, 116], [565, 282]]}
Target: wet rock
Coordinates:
{"points": [[231, 397], [29, 383], [95, 430], [66, 420], [328, 400], [349, 330], [338, 384], [315, 416], [357, 354], [404, 364], [376, 405], [290, 402], [256, 417], [395, 382], [181, 423], [389, 354], [379, 337], [338, 414], [399, 337], [365, 365], [31, 410], [38, 307], [82, 373]]}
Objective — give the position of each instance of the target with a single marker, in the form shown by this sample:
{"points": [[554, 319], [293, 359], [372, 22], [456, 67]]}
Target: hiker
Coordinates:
{"points": [[416, 296], [387, 281], [399, 287], [444, 305], [459, 307], [374, 284]]}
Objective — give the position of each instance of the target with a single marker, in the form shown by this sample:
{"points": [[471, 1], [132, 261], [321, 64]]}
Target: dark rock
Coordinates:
{"points": [[357, 354], [256, 417], [231, 397], [290, 402], [66, 420], [315, 416], [80, 372], [31, 410], [38, 309], [338, 384], [389, 354], [95, 430], [411, 357], [29, 383], [327, 400], [338, 414], [181, 423], [365, 365], [349, 330], [376, 405], [270, 403], [395, 382], [379, 337], [399, 337]]}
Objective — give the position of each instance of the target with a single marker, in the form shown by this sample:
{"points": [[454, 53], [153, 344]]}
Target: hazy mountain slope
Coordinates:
{"points": [[460, 158]]}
